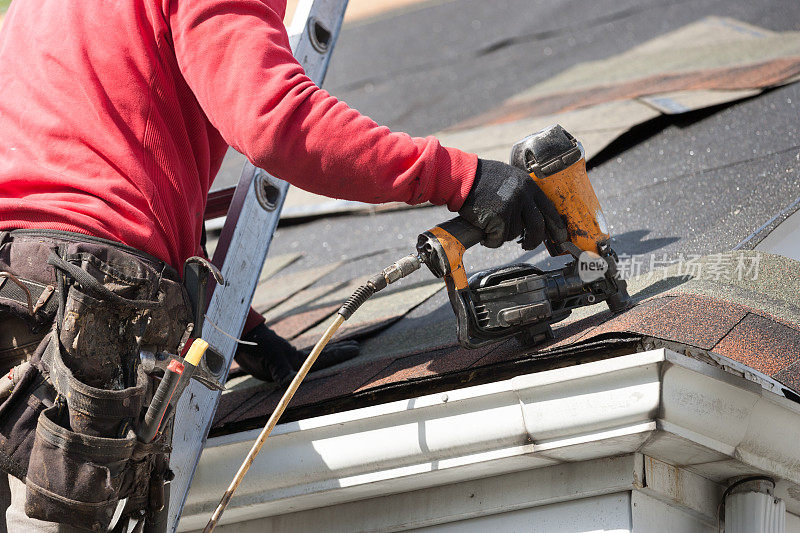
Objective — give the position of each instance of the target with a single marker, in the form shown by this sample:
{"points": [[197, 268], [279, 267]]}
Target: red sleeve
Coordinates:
{"points": [[254, 318], [235, 56]]}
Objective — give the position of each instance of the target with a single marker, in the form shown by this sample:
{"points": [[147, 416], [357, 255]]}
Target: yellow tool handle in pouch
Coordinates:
{"points": [[196, 352]]}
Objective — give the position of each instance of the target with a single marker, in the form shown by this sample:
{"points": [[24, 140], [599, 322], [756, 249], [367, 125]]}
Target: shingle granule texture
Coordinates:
{"points": [[765, 345], [754, 321]]}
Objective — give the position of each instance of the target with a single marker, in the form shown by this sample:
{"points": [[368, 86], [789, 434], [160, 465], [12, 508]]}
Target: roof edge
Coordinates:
{"points": [[598, 409]]}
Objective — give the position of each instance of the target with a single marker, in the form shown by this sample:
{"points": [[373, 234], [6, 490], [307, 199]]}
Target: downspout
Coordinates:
{"points": [[751, 506]]}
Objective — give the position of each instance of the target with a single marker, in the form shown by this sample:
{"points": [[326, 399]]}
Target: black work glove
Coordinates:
{"points": [[274, 359], [505, 202]]}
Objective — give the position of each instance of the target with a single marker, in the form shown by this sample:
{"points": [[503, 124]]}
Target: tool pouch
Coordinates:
{"points": [[84, 456], [68, 426], [98, 340], [94, 411], [74, 478], [19, 415]]}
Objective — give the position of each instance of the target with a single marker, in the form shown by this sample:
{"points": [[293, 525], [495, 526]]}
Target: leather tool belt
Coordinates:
{"points": [[68, 426]]}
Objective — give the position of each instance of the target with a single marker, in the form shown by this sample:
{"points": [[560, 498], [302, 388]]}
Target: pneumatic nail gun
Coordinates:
{"points": [[522, 300]]}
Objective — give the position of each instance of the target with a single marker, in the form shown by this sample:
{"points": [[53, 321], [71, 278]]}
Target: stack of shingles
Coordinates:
{"points": [[753, 319]]}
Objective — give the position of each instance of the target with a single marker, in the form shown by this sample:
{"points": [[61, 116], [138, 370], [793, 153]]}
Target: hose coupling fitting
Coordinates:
{"points": [[401, 268], [390, 274]]}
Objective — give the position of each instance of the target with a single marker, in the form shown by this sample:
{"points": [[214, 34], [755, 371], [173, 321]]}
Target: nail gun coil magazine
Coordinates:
{"points": [[521, 301]]}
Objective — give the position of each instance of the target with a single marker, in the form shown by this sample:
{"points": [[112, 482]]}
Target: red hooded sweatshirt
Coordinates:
{"points": [[115, 117]]}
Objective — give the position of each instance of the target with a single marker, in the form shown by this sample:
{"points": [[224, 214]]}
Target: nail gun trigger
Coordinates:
{"points": [[570, 248], [495, 276]]}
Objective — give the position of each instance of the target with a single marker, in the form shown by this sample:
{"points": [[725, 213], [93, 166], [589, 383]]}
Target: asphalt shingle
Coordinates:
{"points": [[764, 344], [744, 333]]}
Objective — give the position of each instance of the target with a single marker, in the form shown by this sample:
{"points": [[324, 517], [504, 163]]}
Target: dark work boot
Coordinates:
{"points": [[273, 359]]}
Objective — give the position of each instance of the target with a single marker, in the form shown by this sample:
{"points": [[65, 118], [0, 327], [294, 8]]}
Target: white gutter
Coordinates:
{"points": [[647, 402]]}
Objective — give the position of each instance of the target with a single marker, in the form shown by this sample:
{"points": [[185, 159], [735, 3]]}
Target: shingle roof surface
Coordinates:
{"points": [[685, 314], [683, 185]]}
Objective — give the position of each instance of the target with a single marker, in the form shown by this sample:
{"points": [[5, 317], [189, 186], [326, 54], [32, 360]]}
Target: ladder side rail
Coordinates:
{"points": [[244, 242]]}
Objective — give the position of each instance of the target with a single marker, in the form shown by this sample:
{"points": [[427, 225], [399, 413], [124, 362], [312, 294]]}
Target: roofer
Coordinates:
{"points": [[114, 120]]}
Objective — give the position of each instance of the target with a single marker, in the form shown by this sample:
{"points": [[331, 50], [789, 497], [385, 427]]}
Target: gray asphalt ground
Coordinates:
{"points": [[695, 184]]}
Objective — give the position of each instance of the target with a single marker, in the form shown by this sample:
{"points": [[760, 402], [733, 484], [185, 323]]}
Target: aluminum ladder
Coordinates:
{"points": [[252, 218]]}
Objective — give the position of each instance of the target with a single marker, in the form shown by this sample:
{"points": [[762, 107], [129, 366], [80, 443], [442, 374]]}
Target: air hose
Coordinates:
{"points": [[387, 276]]}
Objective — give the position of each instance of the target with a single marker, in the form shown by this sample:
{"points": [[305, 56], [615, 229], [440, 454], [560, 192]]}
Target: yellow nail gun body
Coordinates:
{"points": [[522, 300]]}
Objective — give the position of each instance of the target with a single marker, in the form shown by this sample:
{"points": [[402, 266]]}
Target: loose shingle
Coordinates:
{"points": [[734, 78]]}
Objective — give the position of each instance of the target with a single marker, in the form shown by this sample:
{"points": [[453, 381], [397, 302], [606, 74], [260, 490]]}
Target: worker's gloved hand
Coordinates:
{"points": [[274, 359], [505, 202]]}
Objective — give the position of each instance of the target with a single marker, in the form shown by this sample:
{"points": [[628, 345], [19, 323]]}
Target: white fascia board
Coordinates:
{"points": [[454, 504], [598, 409]]}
